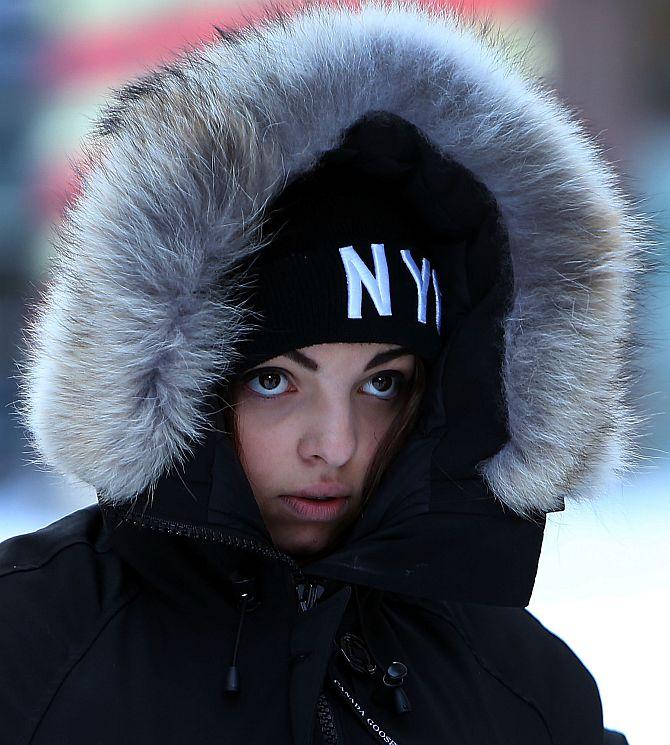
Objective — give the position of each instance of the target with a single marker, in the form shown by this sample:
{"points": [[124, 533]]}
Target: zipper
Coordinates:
{"points": [[309, 592], [205, 533], [326, 718]]}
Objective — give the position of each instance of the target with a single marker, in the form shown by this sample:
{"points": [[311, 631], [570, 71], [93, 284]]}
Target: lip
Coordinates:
{"points": [[322, 489], [313, 510]]}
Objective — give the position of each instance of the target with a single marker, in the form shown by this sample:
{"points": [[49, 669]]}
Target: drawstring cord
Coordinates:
{"points": [[356, 652], [360, 660], [353, 649], [233, 676], [393, 679], [245, 589]]}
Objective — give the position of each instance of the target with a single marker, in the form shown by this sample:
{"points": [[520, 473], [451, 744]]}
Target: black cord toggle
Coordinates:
{"points": [[394, 677], [246, 593]]}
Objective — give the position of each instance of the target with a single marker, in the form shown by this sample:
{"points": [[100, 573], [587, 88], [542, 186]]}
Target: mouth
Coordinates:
{"points": [[313, 496], [315, 508]]}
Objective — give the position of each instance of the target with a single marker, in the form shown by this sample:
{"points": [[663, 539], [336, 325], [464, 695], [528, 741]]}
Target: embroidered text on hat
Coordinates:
{"points": [[377, 284]]}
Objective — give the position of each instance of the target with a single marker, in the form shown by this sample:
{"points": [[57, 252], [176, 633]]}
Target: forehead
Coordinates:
{"points": [[346, 356], [362, 350]]}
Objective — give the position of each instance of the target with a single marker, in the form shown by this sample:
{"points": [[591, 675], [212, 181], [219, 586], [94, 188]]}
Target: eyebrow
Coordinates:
{"points": [[378, 359], [302, 359]]}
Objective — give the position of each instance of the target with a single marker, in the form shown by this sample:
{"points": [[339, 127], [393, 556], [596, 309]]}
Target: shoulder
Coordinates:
{"points": [[59, 586], [52, 567], [512, 645], [33, 550]]}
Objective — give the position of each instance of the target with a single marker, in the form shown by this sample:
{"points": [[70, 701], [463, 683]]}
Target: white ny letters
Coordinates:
{"points": [[377, 284], [438, 302], [422, 280]]}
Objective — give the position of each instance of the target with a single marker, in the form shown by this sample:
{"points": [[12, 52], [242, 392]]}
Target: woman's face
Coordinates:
{"points": [[309, 423]]}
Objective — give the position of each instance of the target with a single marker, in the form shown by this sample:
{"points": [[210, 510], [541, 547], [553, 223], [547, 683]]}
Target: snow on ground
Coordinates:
{"points": [[603, 586]]}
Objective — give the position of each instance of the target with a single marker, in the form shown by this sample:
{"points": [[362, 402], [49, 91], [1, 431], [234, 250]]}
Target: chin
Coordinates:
{"points": [[305, 543]]}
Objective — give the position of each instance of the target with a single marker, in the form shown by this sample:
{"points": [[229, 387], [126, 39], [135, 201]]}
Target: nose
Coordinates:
{"points": [[329, 433]]}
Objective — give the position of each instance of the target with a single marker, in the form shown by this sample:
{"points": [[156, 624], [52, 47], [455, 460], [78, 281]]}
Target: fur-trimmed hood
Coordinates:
{"points": [[141, 316]]}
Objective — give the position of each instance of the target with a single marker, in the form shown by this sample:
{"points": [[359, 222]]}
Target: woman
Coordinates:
{"points": [[341, 313], [321, 442]]}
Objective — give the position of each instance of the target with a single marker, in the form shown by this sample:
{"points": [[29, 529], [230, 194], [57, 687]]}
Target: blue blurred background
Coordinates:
{"points": [[603, 584]]}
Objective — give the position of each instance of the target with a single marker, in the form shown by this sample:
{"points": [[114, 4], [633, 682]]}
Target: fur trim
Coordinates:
{"points": [[142, 314]]}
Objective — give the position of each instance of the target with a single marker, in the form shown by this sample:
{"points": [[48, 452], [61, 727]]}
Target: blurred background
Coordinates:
{"points": [[603, 584]]}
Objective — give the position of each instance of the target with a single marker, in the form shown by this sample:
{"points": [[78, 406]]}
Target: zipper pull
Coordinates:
{"points": [[309, 592], [355, 652]]}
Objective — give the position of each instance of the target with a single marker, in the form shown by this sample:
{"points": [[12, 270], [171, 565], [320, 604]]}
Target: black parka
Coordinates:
{"points": [[134, 620], [121, 627]]}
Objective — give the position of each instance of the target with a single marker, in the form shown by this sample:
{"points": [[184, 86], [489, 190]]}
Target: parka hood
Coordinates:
{"points": [[142, 315]]}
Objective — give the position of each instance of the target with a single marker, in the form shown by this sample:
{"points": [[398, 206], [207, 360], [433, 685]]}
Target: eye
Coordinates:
{"points": [[267, 383], [384, 385]]}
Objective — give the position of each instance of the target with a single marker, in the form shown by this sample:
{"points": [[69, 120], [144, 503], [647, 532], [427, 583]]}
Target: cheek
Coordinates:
{"points": [[269, 436], [374, 422], [265, 445]]}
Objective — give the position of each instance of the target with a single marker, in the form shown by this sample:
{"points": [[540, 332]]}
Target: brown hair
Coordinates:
{"points": [[397, 433]]}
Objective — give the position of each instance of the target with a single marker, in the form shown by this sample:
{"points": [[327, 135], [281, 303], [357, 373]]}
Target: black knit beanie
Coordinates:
{"points": [[344, 262]]}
